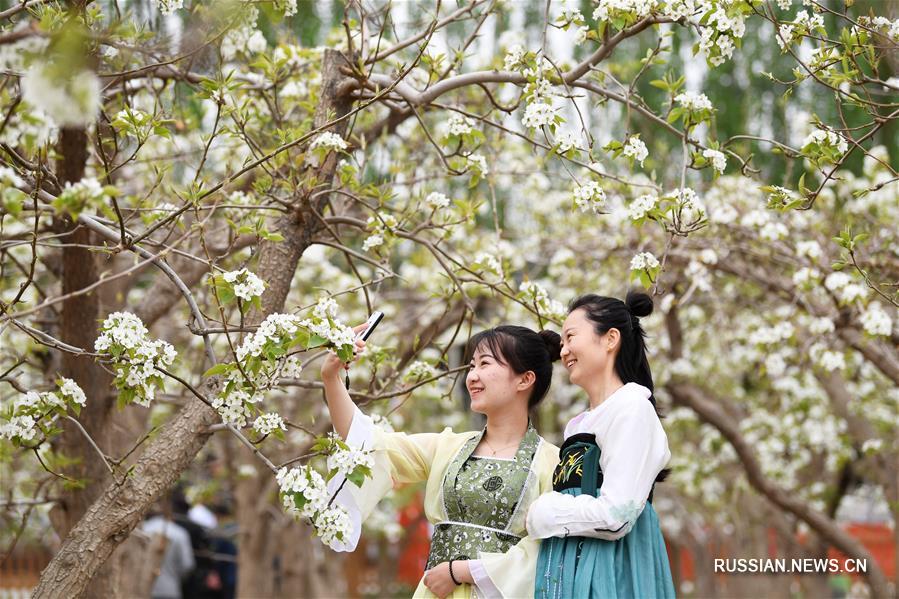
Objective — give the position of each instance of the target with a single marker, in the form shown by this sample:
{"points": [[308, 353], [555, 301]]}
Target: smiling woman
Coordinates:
{"points": [[480, 484], [602, 535]]}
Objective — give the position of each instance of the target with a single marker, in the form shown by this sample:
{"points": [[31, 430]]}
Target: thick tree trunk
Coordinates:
{"points": [[110, 519], [277, 264], [78, 327]]}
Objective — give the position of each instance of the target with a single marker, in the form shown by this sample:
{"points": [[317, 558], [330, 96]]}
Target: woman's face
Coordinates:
{"points": [[492, 385], [584, 353]]}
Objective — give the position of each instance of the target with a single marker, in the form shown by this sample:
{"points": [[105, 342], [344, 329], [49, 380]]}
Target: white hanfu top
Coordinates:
{"points": [[633, 450]]}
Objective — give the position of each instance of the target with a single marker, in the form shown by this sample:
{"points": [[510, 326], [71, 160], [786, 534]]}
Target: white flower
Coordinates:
{"points": [[717, 159], [345, 461], [10, 178], [437, 200], [806, 275], [784, 36], [580, 34], [644, 261], [514, 57], [70, 388], [821, 326], [641, 206], [826, 138], [333, 525], [70, 99], [248, 284], [325, 308], [135, 358], [876, 321], [607, 9], [478, 163], [458, 125], [636, 149], [167, 7], [810, 249], [589, 196], [265, 424], [328, 140], [693, 102], [690, 209], [537, 296], [372, 241], [419, 370], [566, 140], [289, 7], [538, 114]]}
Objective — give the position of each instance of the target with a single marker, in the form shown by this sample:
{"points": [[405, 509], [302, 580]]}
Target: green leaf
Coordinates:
{"points": [[218, 369]]}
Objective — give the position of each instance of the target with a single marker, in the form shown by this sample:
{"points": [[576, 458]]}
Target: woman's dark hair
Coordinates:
{"points": [[521, 349], [631, 364], [608, 313]]}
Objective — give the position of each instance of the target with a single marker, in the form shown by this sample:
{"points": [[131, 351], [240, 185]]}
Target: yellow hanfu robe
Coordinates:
{"points": [[435, 457]]}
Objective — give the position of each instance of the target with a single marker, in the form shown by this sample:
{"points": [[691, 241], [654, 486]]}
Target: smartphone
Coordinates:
{"points": [[373, 321]]}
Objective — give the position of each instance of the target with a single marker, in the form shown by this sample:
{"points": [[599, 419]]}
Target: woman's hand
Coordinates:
{"points": [[332, 367], [438, 579]]}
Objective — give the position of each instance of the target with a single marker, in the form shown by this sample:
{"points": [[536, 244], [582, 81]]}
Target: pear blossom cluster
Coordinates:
{"points": [[419, 370], [536, 295], [478, 163], [641, 206], [539, 114], [244, 37], [458, 125], [787, 33], [635, 149], [80, 195], [246, 284], [136, 359], [489, 263], [875, 321], [717, 159], [693, 102], [717, 36], [381, 228], [266, 424], [589, 196], [644, 261], [437, 200], [68, 98], [32, 413], [328, 141], [689, 208], [304, 494], [607, 10], [845, 288], [345, 460], [515, 57], [167, 7], [825, 145]]}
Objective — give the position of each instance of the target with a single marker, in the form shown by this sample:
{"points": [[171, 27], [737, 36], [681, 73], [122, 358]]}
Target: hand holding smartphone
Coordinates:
{"points": [[363, 335]]}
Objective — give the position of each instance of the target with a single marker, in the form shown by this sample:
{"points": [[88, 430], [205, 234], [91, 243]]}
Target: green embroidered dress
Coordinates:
{"points": [[477, 505]]}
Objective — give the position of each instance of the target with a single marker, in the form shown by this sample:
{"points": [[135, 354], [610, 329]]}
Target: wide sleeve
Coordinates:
{"points": [[633, 452], [398, 458], [512, 574]]}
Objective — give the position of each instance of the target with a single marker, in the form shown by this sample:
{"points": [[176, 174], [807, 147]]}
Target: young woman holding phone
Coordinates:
{"points": [[480, 484]]}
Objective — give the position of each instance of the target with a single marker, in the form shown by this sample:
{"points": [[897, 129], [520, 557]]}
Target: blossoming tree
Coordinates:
{"points": [[244, 186]]}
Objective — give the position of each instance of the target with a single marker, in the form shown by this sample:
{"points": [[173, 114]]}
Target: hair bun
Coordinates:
{"points": [[553, 343], [639, 303]]}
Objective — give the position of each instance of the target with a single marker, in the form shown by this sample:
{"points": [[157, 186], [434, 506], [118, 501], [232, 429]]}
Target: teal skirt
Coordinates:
{"points": [[635, 565]]}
